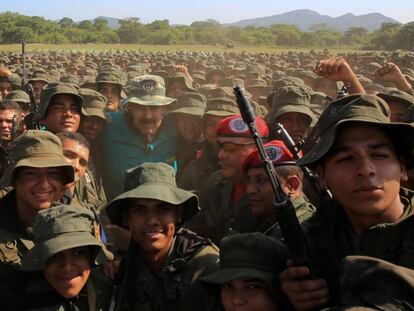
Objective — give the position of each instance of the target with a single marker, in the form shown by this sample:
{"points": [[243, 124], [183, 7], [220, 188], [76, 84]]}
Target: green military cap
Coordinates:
{"points": [[231, 82], [19, 96], [111, 76], [397, 96], [214, 71], [70, 78], [375, 283], [318, 102], [190, 103], [152, 181], [249, 255], [38, 149], [180, 77], [361, 108], [53, 89], [289, 81], [39, 75], [148, 90], [94, 103], [60, 228], [221, 106], [291, 99]]}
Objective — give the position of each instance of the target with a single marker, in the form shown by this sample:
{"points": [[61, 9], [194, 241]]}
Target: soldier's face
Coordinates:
{"points": [[6, 124], [259, 192], [232, 152], [77, 155], [37, 188], [5, 89], [62, 115], [364, 174], [175, 89], [210, 125], [146, 119], [153, 224], [189, 127], [68, 271], [398, 111], [37, 88], [112, 93], [248, 294], [296, 124], [91, 127]]}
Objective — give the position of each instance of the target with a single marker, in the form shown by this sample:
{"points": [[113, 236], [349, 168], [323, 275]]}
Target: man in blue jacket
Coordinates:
{"points": [[141, 133]]}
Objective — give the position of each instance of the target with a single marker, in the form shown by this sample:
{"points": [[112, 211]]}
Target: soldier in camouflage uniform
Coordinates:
{"points": [[38, 175], [163, 260], [362, 158], [259, 189], [60, 267], [224, 201]]}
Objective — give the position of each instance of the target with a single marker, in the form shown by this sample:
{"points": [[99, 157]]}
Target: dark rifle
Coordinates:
{"points": [[285, 212], [28, 88], [322, 193]]}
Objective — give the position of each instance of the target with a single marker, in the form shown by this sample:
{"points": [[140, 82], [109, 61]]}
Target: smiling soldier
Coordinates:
{"points": [[362, 158], [163, 260]]}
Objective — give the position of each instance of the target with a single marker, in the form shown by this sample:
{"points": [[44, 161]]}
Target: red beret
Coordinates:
{"points": [[277, 151], [234, 126]]}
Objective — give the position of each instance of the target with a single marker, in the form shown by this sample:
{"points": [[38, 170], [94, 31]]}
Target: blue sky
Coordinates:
{"points": [[186, 11]]}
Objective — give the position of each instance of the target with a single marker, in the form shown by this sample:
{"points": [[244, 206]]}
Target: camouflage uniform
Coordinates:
{"points": [[32, 149], [189, 255], [57, 229]]}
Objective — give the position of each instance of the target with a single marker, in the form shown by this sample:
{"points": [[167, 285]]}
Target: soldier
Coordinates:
{"points": [[247, 275], [23, 99], [259, 189], [38, 175], [178, 83], [196, 174], [39, 79], [139, 134], [109, 83], [188, 115], [61, 108], [399, 102], [10, 122], [291, 108], [163, 260], [361, 158], [8, 82], [60, 265], [223, 201]]}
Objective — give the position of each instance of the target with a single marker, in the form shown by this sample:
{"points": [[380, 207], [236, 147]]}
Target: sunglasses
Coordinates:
{"points": [[230, 147]]}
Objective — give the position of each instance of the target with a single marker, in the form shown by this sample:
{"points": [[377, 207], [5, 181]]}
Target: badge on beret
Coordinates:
{"points": [[237, 125], [274, 153]]}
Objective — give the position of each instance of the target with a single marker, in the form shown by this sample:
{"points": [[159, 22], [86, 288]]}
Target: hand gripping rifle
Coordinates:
{"points": [[285, 212]]}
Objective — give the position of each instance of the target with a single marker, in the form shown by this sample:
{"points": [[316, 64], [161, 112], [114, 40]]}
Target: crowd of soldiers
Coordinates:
{"points": [[129, 181]]}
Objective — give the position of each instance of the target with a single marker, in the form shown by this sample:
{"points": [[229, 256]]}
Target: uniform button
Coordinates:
{"points": [[35, 261]]}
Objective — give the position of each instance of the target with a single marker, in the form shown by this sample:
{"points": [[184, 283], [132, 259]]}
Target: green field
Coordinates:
{"points": [[151, 48]]}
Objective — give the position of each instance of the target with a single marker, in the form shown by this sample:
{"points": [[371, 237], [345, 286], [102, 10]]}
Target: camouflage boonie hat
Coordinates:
{"points": [[249, 255], [148, 90], [361, 108], [94, 103], [38, 149], [39, 75], [152, 181], [291, 99], [180, 77], [397, 96], [191, 103], [14, 79], [60, 228], [375, 283], [111, 76], [222, 107], [53, 89], [19, 96]]}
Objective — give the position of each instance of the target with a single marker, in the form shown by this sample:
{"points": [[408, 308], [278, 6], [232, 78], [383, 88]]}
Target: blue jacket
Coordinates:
{"points": [[123, 149]]}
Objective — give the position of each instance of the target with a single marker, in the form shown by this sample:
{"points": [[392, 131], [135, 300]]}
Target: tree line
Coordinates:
{"points": [[15, 27]]}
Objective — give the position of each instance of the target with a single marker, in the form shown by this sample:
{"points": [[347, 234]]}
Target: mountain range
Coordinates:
{"points": [[304, 19]]}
